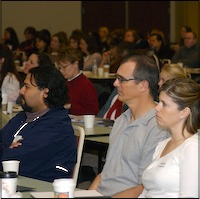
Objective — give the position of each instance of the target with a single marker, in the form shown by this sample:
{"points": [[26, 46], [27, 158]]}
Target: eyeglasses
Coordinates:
{"points": [[123, 79], [63, 67]]}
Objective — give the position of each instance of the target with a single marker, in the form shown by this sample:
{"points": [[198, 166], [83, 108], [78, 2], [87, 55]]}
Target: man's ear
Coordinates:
{"points": [[144, 85], [46, 91]]}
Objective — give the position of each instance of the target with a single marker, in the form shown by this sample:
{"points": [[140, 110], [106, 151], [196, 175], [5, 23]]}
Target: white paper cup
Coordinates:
{"points": [[100, 72], [106, 70], [10, 107], [4, 98], [89, 121], [11, 165], [64, 188], [9, 182], [17, 63]]}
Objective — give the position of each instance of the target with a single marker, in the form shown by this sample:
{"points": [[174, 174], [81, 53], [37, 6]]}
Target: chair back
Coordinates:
{"points": [[79, 132]]}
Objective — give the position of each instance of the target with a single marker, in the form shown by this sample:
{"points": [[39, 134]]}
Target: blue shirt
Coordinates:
{"points": [[48, 141]]}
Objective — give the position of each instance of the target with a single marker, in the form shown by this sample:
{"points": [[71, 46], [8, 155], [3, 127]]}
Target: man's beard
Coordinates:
{"points": [[24, 105]]}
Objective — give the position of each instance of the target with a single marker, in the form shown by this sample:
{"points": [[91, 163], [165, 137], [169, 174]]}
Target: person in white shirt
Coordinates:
{"points": [[173, 172], [10, 80]]}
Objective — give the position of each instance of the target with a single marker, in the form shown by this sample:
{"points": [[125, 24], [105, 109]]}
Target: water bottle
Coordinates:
{"points": [[94, 67]]}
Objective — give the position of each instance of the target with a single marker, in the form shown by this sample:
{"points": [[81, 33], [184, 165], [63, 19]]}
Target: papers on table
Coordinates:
{"points": [[98, 121], [77, 194]]}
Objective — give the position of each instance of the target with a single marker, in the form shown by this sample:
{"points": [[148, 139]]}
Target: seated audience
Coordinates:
{"points": [[58, 41], [157, 45], [47, 134], [43, 39], [103, 33], [10, 80], [180, 43], [116, 53], [11, 39], [189, 53], [112, 108], [170, 71], [132, 35], [89, 47], [74, 41], [37, 59], [135, 133], [173, 172], [82, 93], [34, 60], [28, 46]]}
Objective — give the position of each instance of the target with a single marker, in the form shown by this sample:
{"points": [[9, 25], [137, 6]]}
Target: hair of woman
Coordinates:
{"points": [[8, 65], [185, 92]]}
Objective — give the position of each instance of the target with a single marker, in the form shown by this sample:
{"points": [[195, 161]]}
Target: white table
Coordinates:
{"points": [[46, 188]]}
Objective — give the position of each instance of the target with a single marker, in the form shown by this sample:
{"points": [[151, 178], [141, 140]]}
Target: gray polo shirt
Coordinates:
{"points": [[131, 147]]}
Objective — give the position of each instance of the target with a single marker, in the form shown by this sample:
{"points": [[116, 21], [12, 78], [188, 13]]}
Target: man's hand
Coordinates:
{"points": [[16, 144]]}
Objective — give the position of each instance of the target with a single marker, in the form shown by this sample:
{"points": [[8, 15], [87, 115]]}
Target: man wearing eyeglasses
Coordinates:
{"points": [[135, 133]]}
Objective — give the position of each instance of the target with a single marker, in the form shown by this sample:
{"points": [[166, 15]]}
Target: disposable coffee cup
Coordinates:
{"points": [[64, 188], [9, 181], [89, 121], [17, 63], [106, 70], [11, 165], [100, 72], [10, 107], [4, 101]]}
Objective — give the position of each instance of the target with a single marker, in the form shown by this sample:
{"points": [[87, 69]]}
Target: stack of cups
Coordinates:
{"points": [[64, 188]]}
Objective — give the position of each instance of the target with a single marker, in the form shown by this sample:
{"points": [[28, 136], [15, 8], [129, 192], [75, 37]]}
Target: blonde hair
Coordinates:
{"points": [[105, 29], [175, 70]]}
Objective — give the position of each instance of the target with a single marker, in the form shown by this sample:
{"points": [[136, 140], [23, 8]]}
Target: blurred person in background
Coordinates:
{"points": [[28, 45], [10, 80], [37, 59], [43, 39], [188, 54], [170, 71], [180, 43], [89, 48], [103, 33], [11, 38], [58, 40], [157, 45]]}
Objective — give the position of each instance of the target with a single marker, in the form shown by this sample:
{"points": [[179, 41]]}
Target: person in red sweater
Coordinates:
{"points": [[83, 95]]}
